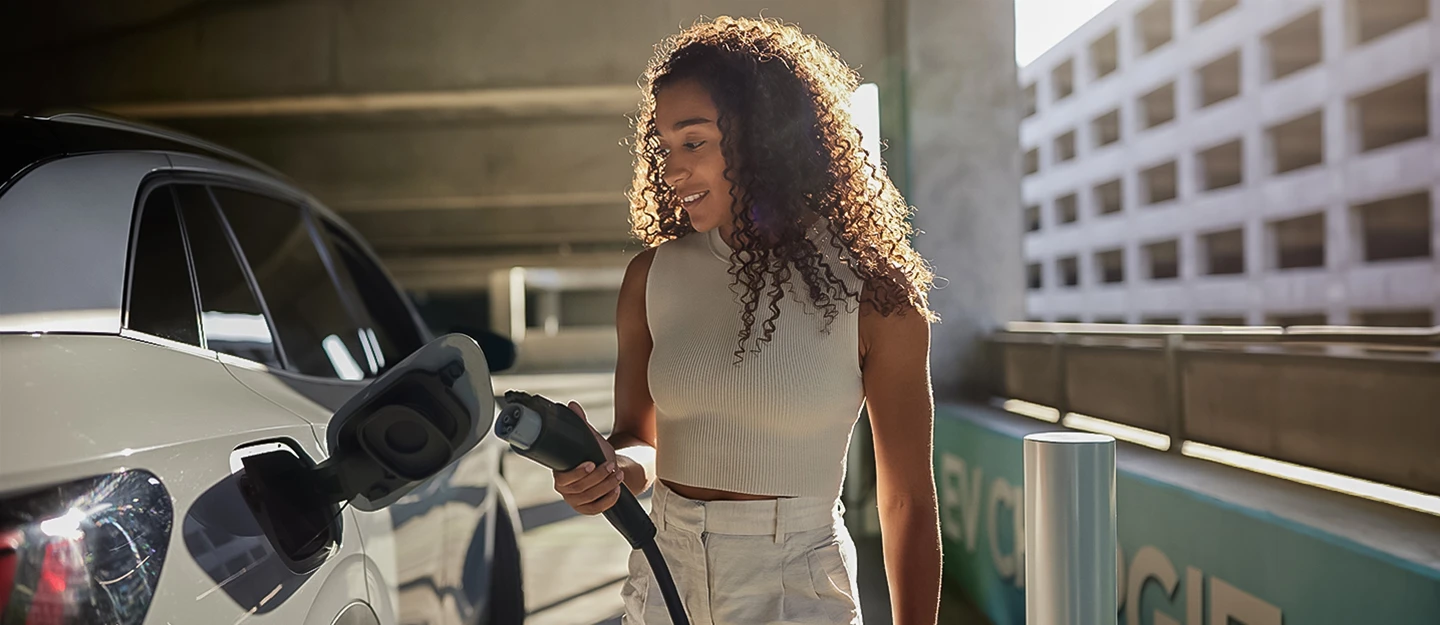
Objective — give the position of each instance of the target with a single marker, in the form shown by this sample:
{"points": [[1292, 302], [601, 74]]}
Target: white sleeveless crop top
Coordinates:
{"points": [[779, 423]]}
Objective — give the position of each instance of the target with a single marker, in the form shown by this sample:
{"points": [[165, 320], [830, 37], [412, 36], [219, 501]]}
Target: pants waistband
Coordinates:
{"points": [[751, 518]]}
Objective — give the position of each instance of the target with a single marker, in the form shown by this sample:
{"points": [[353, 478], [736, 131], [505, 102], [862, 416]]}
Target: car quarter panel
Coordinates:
{"points": [[79, 406], [66, 399]]}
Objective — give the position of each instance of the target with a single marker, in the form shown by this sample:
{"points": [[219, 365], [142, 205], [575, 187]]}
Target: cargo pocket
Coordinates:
{"points": [[636, 591], [832, 582]]}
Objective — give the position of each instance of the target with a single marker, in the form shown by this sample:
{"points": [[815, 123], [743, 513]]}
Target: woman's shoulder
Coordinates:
{"points": [[638, 273], [687, 243], [639, 266]]}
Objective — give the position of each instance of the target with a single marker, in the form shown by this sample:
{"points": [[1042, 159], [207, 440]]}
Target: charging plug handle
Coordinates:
{"points": [[563, 441], [556, 437]]}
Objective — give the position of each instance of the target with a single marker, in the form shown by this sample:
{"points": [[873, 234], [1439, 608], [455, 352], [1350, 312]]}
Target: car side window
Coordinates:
{"points": [[316, 330], [230, 315], [162, 296], [394, 332]]}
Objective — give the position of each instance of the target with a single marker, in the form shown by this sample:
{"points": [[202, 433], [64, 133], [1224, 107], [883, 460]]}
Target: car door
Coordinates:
{"points": [[327, 347], [153, 411]]}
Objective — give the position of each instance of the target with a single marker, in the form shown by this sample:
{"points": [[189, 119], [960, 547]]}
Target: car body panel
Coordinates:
{"points": [[67, 222], [78, 406], [420, 544], [88, 398], [297, 395]]}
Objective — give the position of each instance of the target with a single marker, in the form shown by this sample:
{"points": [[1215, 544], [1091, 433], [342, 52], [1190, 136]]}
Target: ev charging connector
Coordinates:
{"points": [[554, 436]]}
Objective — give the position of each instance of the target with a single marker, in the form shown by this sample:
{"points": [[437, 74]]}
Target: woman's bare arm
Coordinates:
{"points": [[896, 371], [634, 435]]}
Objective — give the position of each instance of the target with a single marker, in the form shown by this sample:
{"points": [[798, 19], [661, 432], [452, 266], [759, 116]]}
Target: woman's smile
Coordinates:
{"points": [[687, 201]]}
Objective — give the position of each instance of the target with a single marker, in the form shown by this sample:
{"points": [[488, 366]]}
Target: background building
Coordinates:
{"points": [[1236, 162]]}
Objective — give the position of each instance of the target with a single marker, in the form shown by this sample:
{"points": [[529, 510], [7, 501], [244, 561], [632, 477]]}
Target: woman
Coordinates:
{"points": [[779, 291]]}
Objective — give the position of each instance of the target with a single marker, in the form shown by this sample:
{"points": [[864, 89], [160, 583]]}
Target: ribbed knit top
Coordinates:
{"points": [[778, 423]]}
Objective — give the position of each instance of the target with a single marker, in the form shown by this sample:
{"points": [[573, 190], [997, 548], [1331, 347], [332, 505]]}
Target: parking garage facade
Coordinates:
{"points": [[1236, 163]]}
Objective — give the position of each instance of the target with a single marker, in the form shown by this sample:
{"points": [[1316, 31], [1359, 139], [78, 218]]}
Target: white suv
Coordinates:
{"points": [[169, 310]]}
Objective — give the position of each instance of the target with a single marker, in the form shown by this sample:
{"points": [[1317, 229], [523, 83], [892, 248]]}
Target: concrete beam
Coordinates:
{"points": [[588, 101], [494, 239], [459, 230], [386, 162], [472, 273], [575, 278], [481, 202]]}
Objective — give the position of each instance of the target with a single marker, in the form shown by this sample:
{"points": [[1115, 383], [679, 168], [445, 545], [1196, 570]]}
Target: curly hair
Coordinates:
{"points": [[792, 151]]}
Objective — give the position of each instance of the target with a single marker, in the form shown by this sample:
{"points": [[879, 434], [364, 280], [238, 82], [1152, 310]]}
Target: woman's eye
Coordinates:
{"points": [[694, 145]]}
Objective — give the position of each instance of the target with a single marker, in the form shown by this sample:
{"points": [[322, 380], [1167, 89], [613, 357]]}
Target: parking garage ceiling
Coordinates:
{"points": [[458, 136]]}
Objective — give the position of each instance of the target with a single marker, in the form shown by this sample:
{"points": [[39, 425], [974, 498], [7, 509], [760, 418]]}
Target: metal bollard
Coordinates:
{"points": [[1070, 539]]}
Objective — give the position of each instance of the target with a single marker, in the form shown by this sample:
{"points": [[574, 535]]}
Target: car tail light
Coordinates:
{"points": [[86, 552], [9, 543]]}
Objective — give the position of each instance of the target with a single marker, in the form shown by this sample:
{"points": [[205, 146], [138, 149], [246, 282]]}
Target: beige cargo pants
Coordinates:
{"points": [[787, 560]]}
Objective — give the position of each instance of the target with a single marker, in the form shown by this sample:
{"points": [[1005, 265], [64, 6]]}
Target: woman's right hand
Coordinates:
{"points": [[589, 489]]}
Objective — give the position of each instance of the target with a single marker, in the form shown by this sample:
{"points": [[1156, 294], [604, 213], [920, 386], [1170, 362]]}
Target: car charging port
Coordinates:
{"points": [[280, 490]]}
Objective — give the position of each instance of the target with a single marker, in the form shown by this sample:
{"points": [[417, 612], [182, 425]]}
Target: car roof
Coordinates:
{"points": [[69, 181], [29, 138]]}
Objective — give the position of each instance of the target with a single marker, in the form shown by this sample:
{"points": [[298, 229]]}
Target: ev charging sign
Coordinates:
{"points": [[1184, 558]]}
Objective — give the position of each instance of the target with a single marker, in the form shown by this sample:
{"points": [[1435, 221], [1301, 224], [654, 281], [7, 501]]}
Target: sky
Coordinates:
{"points": [[1040, 24]]}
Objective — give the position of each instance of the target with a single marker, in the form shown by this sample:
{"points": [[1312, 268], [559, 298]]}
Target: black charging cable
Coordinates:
{"points": [[554, 436]]}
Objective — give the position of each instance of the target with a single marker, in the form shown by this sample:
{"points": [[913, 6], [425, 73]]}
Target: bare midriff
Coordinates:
{"points": [[710, 494]]}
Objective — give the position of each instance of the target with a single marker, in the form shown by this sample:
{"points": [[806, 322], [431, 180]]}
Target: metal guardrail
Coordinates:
{"points": [[1363, 402]]}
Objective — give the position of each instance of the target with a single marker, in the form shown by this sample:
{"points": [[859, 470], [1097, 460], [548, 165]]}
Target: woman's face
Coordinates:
{"points": [[693, 163]]}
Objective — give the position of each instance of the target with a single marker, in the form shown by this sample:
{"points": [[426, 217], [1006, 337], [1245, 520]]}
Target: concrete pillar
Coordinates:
{"points": [[1084, 145], [1190, 257], [507, 303], [963, 104], [1253, 240], [1342, 238], [1256, 160], [1187, 94], [1136, 274], [1340, 138], [1187, 176], [1435, 238], [549, 304], [1182, 19]]}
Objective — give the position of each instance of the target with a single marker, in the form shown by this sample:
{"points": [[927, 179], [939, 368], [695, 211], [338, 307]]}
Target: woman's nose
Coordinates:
{"points": [[674, 171]]}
